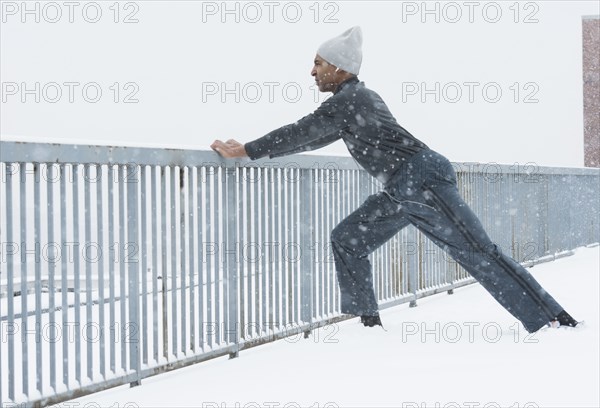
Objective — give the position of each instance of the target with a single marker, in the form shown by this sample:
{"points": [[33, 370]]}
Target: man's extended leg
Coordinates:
{"points": [[376, 221], [452, 225]]}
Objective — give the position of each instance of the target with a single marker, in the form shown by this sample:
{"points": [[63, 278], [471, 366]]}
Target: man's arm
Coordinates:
{"points": [[320, 128]]}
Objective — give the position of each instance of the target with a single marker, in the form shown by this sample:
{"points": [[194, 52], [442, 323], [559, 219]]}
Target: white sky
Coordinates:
{"points": [[180, 58], [454, 351]]}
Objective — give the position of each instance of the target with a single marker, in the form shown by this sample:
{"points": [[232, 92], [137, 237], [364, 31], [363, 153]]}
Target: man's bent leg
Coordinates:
{"points": [[376, 221]]}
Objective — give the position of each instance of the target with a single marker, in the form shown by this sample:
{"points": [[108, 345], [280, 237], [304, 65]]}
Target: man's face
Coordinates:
{"points": [[326, 75]]}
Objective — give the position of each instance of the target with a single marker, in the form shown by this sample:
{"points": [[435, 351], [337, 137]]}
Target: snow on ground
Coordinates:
{"points": [[454, 351]]}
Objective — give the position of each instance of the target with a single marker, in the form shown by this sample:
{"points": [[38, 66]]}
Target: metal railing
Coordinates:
{"points": [[119, 263]]}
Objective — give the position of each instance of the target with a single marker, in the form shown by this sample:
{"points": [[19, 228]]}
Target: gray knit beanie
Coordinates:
{"points": [[344, 51]]}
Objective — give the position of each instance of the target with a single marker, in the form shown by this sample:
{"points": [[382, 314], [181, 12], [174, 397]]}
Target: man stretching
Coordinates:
{"points": [[419, 189]]}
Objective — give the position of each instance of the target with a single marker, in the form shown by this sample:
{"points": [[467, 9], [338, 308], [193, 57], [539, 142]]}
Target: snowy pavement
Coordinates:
{"points": [[454, 351]]}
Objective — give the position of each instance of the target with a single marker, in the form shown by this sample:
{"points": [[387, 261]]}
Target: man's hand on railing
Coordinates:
{"points": [[229, 149]]}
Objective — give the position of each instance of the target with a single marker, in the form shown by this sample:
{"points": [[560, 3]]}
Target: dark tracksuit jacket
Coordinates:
{"points": [[419, 188]]}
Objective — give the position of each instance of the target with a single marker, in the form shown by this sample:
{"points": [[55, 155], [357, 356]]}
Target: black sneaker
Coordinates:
{"points": [[370, 321], [565, 319]]}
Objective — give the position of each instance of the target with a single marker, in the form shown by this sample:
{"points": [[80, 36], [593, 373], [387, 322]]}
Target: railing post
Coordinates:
{"points": [[132, 179], [10, 268], [24, 266], [307, 239], [232, 257], [413, 273]]}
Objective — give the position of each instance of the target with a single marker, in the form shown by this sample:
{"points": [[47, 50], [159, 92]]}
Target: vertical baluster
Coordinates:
{"points": [[258, 270], [268, 247], [64, 277], [88, 267], [100, 236], [243, 223], [231, 266], [201, 186], [334, 180], [156, 220], [173, 254], [277, 266], [144, 260], [10, 271], [219, 258], [323, 243], [210, 186], [24, 262], [307, 239], [55, 251], [183, 256], [192, 211], [122, 254], [264, 211], [112, 246], [298, 201], [133, 269], [250, 226], [291, 246], [164, 259], [37, 169]]}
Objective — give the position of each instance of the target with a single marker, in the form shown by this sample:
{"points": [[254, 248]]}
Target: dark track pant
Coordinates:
{"points": [[424, 193]]}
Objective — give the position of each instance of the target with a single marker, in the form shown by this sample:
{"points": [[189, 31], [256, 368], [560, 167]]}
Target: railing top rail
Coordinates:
{"points": [[34, 152], [11, 151]]}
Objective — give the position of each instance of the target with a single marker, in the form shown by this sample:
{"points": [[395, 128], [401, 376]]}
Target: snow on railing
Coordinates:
{"points": [[118, 263]]}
